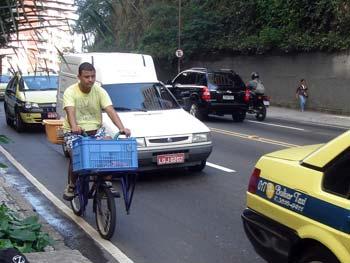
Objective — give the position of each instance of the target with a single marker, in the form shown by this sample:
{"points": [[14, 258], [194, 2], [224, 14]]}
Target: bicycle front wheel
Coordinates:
{"points": [[80, 197], [105, 212]]}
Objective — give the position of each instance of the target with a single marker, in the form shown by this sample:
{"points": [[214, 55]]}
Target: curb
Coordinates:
{"points": [[59, 252]]}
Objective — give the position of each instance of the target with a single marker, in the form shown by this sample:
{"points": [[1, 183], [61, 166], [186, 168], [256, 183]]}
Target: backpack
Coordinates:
{"points": [[260, 88]]}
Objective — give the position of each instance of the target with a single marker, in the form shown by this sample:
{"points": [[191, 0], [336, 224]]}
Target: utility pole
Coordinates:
{"points": [[179, 38]]}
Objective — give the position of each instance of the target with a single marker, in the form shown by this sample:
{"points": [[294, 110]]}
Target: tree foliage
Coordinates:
{"points": [[216, 26]]}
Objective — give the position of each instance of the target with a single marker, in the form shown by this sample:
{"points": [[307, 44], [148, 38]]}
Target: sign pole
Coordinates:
{"points": [[179, 38]]}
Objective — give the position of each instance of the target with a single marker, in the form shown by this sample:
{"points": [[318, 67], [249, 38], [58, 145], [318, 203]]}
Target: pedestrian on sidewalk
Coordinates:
{"points": [[302, 94]]}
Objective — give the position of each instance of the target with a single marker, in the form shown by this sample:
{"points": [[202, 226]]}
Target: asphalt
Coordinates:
{"points": [[59, 252]]}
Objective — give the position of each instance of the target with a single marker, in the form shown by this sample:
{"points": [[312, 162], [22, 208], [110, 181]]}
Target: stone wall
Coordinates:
{"points": [[327, 75]]}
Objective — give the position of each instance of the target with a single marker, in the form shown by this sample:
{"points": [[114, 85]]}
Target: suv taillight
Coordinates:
{"points": [[253, 181], [247, 95], [205, 93]]}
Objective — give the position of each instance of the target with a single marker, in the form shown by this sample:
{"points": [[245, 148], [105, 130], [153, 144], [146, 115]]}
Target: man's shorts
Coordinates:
{"points": [[70, 137]]}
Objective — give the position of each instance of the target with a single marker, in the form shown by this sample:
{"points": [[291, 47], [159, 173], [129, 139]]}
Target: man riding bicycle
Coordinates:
{"points": [[83, 103]]}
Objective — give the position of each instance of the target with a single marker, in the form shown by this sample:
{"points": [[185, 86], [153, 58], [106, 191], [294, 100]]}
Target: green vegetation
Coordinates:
{"points": [[23, 234], [217, 26]]}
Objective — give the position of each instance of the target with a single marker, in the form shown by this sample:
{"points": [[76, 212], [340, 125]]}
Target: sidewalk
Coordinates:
{"points": [[61, 253], [309, 117]]}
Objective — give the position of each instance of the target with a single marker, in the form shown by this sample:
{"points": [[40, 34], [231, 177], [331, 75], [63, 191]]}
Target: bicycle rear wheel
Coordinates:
{"points": [[105, 212]]}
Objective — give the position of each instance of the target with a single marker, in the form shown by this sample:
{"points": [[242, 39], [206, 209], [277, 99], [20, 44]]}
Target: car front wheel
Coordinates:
{"points": [[18, 123]]}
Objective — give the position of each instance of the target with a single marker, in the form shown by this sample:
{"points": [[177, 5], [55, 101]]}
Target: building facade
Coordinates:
{"points": [[44, 34]]}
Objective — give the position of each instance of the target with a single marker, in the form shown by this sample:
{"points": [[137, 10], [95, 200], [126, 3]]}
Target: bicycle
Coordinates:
{"points": [[97, 163]]}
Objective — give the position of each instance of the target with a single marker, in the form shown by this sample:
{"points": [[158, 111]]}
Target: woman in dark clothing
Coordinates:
{"points": [[301, 94]]}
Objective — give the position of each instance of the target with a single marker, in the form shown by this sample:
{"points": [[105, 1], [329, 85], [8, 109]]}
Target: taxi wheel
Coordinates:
{"points": [[318, 254], [18, 123]]}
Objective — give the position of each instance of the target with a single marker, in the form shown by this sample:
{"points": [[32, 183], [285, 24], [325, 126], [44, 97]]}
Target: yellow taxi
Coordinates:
{"points": [[30, 98], [298, 207]]}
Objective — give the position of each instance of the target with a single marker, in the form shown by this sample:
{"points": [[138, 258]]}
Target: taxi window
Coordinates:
{"points": [[4, 79], [40, 82], [337, 175]]}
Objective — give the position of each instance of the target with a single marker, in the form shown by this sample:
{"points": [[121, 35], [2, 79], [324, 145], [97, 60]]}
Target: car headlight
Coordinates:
{"points": [[29, 105], [201, 137], [141, 142]]}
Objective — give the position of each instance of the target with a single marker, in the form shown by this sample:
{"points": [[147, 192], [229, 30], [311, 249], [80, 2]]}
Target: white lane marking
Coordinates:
{"points": [[220, 167], [277, 125], [107, 245]]}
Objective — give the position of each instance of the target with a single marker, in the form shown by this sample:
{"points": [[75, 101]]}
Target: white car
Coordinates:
{"points": [[167, 136]]}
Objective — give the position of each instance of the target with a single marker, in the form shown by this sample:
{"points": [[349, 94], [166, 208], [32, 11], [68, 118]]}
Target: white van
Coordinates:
{"points": [[167, 136]]}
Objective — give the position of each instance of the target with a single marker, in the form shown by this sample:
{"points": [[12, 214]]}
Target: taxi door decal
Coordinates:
{"points": [[306, 205]]}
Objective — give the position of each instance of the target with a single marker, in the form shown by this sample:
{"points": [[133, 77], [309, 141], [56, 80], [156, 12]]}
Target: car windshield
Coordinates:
{"points": [[141, 97], [4, 79], [40, 82]]}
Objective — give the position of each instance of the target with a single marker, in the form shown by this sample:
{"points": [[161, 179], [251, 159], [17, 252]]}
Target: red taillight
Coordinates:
{"points": [[253, 181], [247, 95], [205, 93]]}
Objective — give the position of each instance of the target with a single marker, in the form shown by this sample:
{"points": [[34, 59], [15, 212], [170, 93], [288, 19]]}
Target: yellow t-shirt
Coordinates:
{"points": [[88, 106]]}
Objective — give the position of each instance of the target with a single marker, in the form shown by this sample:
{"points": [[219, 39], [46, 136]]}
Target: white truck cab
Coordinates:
{"points": [[167, 136]]}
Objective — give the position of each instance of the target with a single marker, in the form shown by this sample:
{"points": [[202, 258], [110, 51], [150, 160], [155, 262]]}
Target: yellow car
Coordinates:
{"points": [[30, 98], [298, 207]]}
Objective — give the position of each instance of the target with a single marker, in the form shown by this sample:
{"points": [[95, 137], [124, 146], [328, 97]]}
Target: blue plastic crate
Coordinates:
{"points": [[90, 154]]}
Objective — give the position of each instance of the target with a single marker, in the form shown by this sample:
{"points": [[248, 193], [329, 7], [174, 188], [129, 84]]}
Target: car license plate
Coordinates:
{"points": [[51, 115], [228, 97], [170, 158], [266, 103]]}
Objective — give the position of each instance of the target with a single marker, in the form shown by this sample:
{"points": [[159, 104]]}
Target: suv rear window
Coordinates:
{"points": [[223, 79]]}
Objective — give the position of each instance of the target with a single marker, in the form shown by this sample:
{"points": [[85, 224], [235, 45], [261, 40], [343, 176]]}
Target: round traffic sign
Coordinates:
{"points": [[179, 53]]}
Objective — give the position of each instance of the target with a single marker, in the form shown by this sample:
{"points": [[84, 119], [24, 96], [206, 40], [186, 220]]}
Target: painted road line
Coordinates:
{"points": [[253, 137], [107, 245], [277, 125], [220, 167]]}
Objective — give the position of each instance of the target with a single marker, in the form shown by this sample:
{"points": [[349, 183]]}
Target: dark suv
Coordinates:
{"points": [[202, 91]]}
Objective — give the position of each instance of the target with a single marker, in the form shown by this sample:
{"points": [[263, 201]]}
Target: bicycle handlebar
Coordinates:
{"points": [[117, 134]]}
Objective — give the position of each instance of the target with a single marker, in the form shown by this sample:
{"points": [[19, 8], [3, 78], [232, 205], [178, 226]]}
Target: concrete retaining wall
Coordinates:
{"points": [[327, 75]]}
